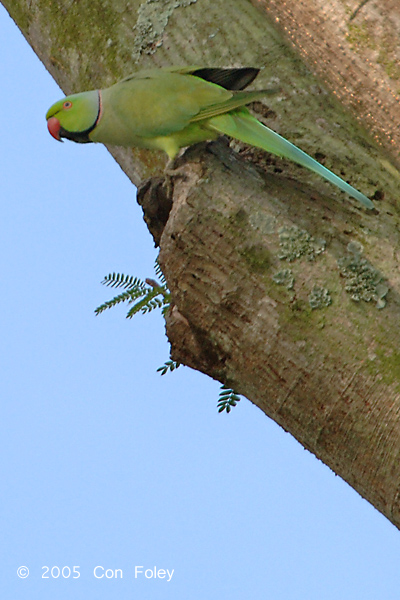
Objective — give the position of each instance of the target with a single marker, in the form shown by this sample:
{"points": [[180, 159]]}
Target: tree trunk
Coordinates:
{"points": [[282, 287], [353, 46]]}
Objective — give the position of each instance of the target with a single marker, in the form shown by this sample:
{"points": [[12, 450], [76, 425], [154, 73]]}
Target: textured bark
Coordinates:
{"points": [[353, 46], [279, 282]]}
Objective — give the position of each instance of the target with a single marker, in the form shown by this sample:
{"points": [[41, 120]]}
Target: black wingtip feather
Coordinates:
{"points": [[230, 79]]}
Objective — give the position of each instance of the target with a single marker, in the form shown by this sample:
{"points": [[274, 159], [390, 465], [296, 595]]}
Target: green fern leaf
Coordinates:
{"points": [[149, 290], [152, 304], [165, 308], [124, 297], [169, 365], [117, 280], [228, 399], [146, 304], [159, 273], [154, 296]]}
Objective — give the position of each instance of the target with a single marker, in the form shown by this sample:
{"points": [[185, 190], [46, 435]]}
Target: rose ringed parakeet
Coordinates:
{"points": [[171, 108]]}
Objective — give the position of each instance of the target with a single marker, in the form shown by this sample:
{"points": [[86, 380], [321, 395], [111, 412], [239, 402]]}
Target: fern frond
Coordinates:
{"points": [[124, 297], [154, 295], [117, 280], [148, 303], [228, 398], [165, 308], [159, 273], [149, 290], [152, 304], [169, 365]]}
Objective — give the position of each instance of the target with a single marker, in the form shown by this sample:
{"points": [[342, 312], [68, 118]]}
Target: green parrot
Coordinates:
{"points": [[171, 108]]}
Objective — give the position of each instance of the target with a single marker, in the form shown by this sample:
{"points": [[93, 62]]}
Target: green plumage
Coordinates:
{"points": [[168, 109]]}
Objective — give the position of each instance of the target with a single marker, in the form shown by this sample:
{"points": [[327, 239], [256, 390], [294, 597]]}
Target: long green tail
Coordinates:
{"points": [[243, 126]]}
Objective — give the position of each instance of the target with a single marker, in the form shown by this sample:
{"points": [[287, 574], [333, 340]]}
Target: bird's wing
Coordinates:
{"points": [[236, 101], [159, 102], [235, 78]]}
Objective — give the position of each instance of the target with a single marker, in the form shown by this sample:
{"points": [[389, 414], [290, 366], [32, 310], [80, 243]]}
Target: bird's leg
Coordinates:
{"points": [[178, 167]]}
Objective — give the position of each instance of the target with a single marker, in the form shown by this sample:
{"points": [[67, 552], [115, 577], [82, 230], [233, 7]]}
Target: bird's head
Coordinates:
{"points": [[75, 116]]}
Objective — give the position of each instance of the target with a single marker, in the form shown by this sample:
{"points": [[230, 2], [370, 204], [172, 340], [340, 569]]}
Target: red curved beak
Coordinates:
{"points": [[53, 125]]}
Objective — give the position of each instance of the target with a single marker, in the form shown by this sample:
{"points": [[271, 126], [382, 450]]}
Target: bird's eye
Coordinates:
{"points": [[67, 104]]}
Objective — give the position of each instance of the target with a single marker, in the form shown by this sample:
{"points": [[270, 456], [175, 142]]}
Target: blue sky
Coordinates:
{"points": [[105, 463]]}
